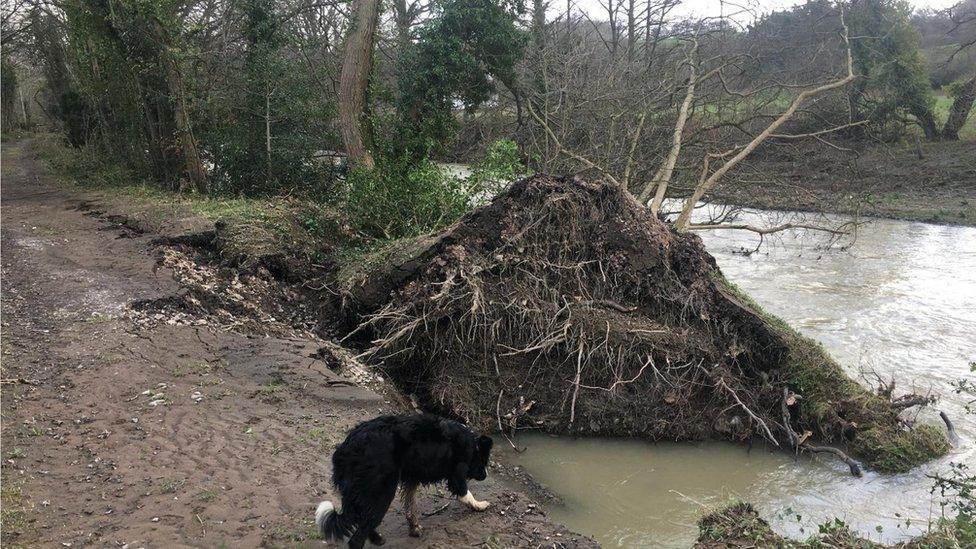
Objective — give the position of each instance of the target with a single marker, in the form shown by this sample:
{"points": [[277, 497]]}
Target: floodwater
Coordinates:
{"points": [[899, 303]]}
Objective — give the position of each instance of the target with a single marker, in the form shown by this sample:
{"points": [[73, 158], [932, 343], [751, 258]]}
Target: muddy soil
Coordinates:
{"points": [[148, 428]]}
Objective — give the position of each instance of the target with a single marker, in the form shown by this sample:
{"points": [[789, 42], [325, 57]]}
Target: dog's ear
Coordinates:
{"points": [[484, 444]]}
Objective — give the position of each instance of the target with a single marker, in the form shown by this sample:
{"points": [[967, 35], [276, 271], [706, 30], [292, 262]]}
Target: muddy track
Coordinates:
{"points": [[123, 428]]}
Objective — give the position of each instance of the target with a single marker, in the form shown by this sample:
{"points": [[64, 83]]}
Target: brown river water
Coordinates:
{"points": [[900, 302]]}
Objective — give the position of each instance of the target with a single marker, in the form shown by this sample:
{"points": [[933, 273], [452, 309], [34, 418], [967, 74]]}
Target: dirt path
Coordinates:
{"points": [[120, 434]]}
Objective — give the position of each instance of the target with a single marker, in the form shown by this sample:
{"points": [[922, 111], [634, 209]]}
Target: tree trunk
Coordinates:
{"points": [[631, 28], [539, 23], [927, 121], [959, 111], [192, 163], [402, 20], [706, 181], [356, 65], [267, 131]]}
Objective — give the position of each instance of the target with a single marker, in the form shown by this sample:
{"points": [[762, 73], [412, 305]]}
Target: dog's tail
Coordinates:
{"points": [[331, 524]]}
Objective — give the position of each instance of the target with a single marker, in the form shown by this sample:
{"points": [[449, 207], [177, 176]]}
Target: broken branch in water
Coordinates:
{"points": [[951, 431], [855, 466], [799, 443], [908, 401], [768, 230]]}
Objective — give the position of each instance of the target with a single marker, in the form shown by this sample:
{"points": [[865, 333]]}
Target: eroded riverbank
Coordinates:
{"points": [[281, 389]]}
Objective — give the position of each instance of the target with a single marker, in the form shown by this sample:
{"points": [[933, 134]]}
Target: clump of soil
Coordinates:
{"points": [[739, 525], [565, 306]]}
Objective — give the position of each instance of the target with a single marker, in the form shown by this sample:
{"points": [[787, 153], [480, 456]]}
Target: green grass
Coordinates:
{"points": [[207, 495], [171, 485], [314, 435], [201, 368], [247, 228], [13, 513]]}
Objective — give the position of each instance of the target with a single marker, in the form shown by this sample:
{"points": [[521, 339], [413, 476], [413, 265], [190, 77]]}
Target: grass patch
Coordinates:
{"points": [[247, 228], [314, 435], [831, 398], [171, 485], [200, 368], [13, 513], [207, 495]]}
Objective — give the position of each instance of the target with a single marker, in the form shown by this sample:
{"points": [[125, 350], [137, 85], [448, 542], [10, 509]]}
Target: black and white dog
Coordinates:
{"points": [[407, 451]]}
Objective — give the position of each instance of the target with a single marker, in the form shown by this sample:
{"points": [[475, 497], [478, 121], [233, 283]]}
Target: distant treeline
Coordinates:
{"points": [[249, 97]]}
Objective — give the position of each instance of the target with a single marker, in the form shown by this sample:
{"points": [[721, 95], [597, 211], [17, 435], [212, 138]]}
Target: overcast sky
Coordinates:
{"points": [[716, 7]]}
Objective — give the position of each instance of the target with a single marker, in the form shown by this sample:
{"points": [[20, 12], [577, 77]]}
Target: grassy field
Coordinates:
{"points": [[881, 179]]}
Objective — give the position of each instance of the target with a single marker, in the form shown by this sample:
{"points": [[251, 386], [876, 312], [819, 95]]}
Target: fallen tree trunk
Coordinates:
{"points": [[572, 296]]}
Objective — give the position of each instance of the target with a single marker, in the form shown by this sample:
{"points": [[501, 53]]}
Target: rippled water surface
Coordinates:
{"points": [[900, 302]]}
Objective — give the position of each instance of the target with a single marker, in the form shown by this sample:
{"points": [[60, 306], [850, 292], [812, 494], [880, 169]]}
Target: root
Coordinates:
{"points": [[800, 443], [576, 385], [757, 419]]}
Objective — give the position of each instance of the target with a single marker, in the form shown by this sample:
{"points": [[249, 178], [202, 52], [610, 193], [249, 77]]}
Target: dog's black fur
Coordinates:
{"points": [[380, 454]]}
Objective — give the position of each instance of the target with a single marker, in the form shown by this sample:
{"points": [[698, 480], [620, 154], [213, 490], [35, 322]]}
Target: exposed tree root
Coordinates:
{"points": [[571, 298]]}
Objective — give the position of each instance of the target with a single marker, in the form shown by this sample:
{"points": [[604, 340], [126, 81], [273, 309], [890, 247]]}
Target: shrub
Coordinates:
{"points": [[501, 167], [400, 198]]}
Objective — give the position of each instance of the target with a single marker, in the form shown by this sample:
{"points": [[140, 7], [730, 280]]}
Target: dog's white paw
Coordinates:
{"points": [[468, 499], [480, 505]]}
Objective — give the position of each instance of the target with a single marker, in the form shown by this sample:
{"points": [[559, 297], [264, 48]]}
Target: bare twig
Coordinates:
{"points": [[684, 220], [769, 434]]}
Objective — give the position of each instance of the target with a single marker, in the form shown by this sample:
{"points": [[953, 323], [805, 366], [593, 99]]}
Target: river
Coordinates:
{"points": [[900, 302]]}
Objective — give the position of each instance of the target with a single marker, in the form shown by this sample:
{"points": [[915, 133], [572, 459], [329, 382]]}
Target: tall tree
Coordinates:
{"points": [[891, 73], [8, 93], [169, 56], [357, 63], [464, 49]]}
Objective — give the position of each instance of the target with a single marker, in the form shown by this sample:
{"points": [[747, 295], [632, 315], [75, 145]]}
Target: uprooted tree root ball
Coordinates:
{"points": [[565, 306]]}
